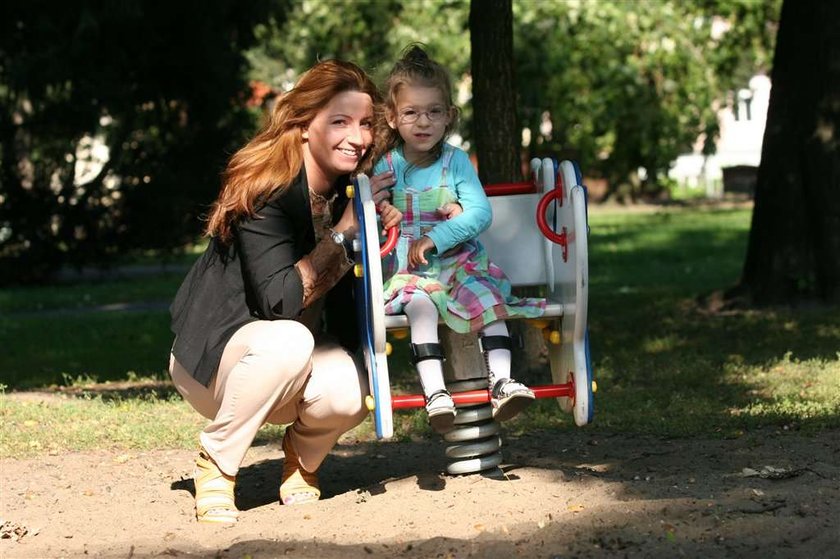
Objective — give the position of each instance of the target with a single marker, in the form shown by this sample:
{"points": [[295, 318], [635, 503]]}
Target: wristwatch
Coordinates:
{"points": [[340, 239]]}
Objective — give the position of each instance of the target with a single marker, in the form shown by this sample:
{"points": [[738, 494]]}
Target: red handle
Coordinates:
{"points": [[390, 242], [510, 188], [560, 239]]}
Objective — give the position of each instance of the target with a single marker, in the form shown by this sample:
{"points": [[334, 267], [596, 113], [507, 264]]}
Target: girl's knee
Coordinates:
{"points": [[498, 328], [420, 303]]}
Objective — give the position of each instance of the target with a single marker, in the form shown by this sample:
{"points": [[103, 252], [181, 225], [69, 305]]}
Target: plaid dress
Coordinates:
{"points": [[468, 290]]}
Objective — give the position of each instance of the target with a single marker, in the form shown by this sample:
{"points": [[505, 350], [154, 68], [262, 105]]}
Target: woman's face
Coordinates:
{"points": [[338, 136]]}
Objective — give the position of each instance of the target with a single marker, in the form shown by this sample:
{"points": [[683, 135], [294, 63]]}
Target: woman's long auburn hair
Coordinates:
{"points": [[273, 158]]}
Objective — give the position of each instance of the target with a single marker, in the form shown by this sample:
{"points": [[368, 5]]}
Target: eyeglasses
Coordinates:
{"points": [[410, 116]]}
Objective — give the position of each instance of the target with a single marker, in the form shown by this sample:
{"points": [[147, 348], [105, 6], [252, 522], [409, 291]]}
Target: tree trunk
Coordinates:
{"points": [[497, 138], [493, 94], [793, 253]]}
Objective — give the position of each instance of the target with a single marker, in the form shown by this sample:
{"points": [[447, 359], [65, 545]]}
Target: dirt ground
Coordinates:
{"points": [[575, 493]]}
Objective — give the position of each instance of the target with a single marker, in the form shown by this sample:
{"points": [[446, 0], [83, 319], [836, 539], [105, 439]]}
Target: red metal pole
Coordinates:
{"points": [[406, 401]]}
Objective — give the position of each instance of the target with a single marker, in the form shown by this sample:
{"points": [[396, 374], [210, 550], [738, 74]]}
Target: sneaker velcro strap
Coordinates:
{"points": [[422, 352], [508, 386], [437, 394], [489, 343]]}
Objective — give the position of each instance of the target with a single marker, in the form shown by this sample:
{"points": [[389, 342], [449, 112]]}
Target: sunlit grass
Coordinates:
{"points": [[792, 391], [59, 424], [101, 416]]}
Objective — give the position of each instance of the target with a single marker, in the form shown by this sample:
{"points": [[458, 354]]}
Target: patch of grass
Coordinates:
{"points": [[665, 365], [140, 414], [82, 295], [140, 278], [57, 425], [45, 350], [790, 392]]}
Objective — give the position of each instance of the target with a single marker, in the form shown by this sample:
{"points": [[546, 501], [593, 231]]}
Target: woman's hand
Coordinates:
{"points": [[389, 215], [418, 250], [450, 210], [380, 187]]}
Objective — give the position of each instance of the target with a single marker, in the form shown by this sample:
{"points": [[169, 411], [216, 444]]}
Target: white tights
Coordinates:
{"points": [[423, 320]]}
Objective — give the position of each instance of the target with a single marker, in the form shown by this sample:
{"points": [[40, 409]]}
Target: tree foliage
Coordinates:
{"points": [[370, 32], [158, 87], [624, 86], [628, 85]]}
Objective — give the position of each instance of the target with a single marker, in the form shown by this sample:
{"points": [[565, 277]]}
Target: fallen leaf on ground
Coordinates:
{"points": [[772, 472]]}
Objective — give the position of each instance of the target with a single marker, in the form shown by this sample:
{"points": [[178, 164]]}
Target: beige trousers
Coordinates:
{"points": [[272, 372]]}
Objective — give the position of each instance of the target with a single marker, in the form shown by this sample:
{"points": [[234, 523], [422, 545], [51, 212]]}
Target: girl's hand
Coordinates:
{"points": [[418, 250], [450, 210], [347, 223], [380, 187], [389, 215]]}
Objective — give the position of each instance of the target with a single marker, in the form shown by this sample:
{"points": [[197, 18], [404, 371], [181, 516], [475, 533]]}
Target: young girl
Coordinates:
{"points": [[439, 268]]}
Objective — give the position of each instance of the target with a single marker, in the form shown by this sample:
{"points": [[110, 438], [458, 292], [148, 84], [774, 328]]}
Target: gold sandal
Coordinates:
{"points": [[298, 486], [214, 500]]}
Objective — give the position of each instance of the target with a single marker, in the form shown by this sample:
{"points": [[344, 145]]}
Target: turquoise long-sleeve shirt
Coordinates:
{"points": [[461, 178]]}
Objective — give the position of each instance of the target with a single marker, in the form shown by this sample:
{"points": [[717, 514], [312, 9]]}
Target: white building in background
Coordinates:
{"points": [[739, 143]]}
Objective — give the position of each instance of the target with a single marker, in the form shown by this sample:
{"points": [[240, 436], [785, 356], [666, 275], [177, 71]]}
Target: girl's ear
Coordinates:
{"points": [[391, 119], [304, 133]]}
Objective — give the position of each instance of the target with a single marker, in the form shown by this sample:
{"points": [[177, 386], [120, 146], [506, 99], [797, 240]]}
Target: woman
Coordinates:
{"points": [[264, 321]]}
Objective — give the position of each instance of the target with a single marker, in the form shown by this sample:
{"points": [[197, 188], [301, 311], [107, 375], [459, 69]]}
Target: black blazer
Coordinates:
{"points": [[254, 278]]}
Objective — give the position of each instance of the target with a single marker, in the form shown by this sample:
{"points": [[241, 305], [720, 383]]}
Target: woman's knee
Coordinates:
{"points": [[349, 403], [345, 394], [283, 344]]}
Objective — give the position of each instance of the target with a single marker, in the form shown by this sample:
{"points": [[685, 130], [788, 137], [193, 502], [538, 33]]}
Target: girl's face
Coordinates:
{"points": [[421, 116], [338, 136]]}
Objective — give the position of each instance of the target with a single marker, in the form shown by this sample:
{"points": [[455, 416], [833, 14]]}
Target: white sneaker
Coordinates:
{"points": [[441, 410], [509, 397]]}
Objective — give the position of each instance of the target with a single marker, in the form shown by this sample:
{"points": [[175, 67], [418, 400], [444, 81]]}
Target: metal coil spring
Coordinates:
{"points": [[476, 436]]}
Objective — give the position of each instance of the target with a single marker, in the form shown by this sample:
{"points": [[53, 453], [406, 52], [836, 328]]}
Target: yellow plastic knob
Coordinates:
{"points": [[358, 270], [370, 403], [554, 337], [388, 348], [594, 387], [350, 191]]}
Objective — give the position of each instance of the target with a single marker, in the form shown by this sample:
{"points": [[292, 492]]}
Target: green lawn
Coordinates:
{"points": [[664, 365], [83, 295]]}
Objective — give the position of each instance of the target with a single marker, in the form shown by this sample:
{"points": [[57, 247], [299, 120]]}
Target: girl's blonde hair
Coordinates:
{"points": [[273, 158], [414, 68]]}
